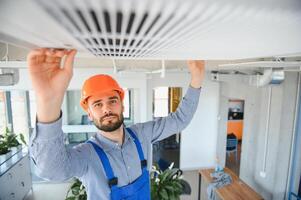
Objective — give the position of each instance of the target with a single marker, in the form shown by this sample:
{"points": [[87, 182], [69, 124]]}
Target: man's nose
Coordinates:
{"points": [[106, 109]]}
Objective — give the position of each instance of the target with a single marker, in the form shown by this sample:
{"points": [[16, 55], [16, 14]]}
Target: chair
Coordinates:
{"points": [[186, 188], [294, 196], [232, 147], [163, 164]]}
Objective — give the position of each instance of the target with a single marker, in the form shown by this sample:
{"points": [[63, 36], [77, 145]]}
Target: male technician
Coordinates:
{"points": [[112, 164]]}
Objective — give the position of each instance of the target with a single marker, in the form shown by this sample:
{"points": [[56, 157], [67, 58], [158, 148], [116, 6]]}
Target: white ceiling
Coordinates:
{"points": [[16, 57]]}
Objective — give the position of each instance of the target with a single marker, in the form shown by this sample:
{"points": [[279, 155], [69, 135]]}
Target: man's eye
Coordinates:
{"points": [[113, 101], [97, 104]]}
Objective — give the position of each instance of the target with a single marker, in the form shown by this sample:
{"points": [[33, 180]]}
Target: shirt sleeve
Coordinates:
{"points": [[54, 161], [175, 122]]}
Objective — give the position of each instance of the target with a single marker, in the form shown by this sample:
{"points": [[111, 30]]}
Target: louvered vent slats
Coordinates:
{"points": [[138, 29], [165, 28]]}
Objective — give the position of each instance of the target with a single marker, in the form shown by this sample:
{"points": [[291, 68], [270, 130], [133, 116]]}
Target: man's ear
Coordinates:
{"points": [[89, 114]]}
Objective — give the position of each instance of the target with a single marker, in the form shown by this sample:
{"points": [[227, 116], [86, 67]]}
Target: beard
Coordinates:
{"points": [[111, 125]]}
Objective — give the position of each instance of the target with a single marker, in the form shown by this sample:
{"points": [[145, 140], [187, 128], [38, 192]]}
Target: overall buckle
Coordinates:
{"points": [[143, 163], [113, 181]]}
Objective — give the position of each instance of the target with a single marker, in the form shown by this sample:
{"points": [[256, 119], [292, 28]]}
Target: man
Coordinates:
{"points": [[112, 164]]}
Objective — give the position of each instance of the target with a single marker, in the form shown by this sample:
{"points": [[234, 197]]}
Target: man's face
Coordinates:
{"points": [[106, 111]]}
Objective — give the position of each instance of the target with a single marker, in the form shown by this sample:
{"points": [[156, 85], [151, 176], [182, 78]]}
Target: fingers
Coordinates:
{"points": [[51, 56], [54, 60], [196, 62], [189, 62], [36, 52], [36, 55], [68, 65], [45, 55], [55, 55], [56, 52]]}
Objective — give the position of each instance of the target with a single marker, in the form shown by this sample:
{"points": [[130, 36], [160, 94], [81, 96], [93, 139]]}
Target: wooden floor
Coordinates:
{"points": [[237, 190]]}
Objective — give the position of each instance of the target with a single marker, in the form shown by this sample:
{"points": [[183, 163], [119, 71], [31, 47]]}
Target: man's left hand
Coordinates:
{"points": [[197, 70]]}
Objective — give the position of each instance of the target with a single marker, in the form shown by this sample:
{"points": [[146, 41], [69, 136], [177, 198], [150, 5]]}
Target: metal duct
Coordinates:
{"points": [[270, 76]]}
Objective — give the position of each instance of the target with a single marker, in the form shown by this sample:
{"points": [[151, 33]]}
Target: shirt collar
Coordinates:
{"points": [[107, 144]]}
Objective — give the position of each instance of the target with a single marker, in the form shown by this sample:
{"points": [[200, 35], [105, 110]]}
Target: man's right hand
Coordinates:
{"points": [[50, 80]]}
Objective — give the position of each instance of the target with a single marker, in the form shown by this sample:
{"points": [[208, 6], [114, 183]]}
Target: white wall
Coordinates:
{"points": [[280, 132], [198, 140]]}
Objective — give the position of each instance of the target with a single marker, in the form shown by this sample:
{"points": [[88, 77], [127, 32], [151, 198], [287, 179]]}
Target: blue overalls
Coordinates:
{"points": [[139, 189]]}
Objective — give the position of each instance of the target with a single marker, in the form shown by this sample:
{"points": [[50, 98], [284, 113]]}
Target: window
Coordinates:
{"points": [[19, 112], [166, 100], [3, 118], [127, 104], [14, 112], [160, 102], [75, 114], [32, 107]]}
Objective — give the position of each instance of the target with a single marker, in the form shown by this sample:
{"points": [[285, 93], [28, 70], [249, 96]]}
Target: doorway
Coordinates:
{"points": [[167, 151], [234, 134]]}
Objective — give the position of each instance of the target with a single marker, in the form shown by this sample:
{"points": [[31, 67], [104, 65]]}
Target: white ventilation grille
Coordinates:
{"points": [[127, 28], [154, 28]]}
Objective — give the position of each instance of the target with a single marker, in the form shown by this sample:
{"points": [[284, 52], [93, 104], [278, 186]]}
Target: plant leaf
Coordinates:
{"points": [[22, 139], [75, 190], [163, 194]]}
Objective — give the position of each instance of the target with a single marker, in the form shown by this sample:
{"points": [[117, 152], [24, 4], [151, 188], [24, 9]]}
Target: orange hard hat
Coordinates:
{"points": [[96, 85]]}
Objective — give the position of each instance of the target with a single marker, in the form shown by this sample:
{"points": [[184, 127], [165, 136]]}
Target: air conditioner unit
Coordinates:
{"points": [[156, 29], [9, 77]]}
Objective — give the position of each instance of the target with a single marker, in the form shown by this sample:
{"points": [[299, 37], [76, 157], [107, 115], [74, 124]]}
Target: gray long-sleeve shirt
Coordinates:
{"points": [[56, 162]]}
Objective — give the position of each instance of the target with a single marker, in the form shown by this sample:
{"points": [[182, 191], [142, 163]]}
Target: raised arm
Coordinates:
{"points": [[50, 80]]}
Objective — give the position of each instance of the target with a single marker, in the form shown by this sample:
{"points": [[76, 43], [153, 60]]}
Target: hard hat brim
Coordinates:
{"points": [[109, 92]]}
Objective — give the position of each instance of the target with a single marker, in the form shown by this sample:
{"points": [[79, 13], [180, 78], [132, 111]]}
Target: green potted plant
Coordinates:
{"points": [[77, 191], [9, 143], [167, 184], [3, 148], [12, 139]]}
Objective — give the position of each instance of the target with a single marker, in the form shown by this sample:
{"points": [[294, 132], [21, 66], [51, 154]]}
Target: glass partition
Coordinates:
{"points": [[19, 112], [165, 101], [3, 118]]}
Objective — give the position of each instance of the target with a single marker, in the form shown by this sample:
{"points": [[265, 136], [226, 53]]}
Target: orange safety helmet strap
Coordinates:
{"points": [[98, 84]]}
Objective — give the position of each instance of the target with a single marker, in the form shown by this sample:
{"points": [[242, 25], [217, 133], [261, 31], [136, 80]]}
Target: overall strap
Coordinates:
{"points": [[106, 164], [139, 148]]}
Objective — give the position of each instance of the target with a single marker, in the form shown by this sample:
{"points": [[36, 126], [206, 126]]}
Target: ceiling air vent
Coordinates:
{"points": [[109, 30], [144, 28], [156, 29]]}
